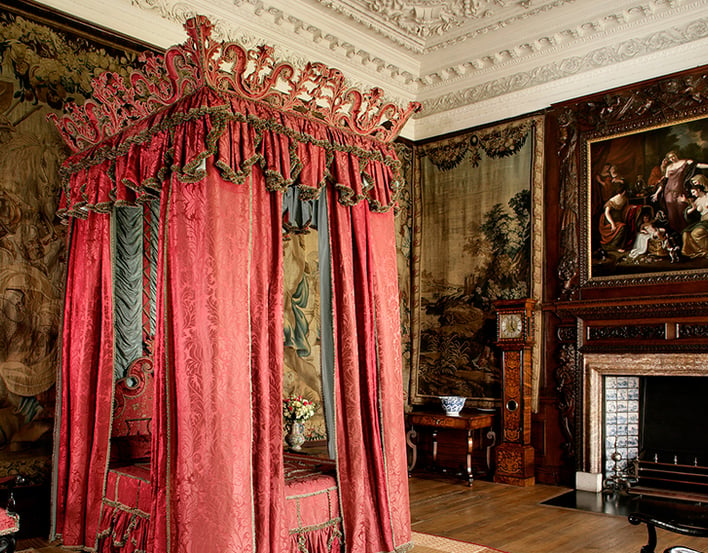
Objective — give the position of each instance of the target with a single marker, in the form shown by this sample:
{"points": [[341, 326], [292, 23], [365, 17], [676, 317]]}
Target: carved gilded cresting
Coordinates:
{"points": [[316, 90]]}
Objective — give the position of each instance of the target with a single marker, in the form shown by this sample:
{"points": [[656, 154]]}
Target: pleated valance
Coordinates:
{"points": [[236, 135]]}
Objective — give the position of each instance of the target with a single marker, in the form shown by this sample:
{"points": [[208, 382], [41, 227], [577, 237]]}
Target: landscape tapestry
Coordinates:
{"points": [[404, 244], [473, 245]]}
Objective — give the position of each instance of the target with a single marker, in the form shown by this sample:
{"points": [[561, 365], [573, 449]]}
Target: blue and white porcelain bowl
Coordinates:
{"points": [[452, 404]]}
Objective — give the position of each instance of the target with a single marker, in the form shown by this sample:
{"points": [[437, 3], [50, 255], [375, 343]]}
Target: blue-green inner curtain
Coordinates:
{"points": [[127, 286], [154, 209], [326, 322], [313, 213], [133, 257]]}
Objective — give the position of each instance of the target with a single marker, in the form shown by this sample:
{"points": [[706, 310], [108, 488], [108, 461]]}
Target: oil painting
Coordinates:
{"points": [[648, 202]]}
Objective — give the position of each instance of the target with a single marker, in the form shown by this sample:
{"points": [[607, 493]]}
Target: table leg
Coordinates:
{"points": [[411, 436], [435, 447], [470, 449], [491, 435]]}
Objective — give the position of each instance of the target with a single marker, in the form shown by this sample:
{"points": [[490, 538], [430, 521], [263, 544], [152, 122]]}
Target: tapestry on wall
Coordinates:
{"points": [[404, 243], [473, 244], [40, 70], [301, 324]]}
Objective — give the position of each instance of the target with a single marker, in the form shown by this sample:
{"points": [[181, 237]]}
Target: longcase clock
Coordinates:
{"points": [[515, 455]]}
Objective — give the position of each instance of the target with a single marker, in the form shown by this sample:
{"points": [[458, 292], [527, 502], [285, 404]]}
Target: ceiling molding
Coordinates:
{"points": [[532, 99], [608, 29], [457, 57], [425, 26], [563, 68]]}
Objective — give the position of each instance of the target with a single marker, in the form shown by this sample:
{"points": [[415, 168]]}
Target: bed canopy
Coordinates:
{"points": [[219, 132]]}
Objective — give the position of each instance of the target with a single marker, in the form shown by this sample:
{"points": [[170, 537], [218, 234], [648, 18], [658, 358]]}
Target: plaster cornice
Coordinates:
{"points": [[502, 106], [519, 51], [568, 66], [425, 26]]}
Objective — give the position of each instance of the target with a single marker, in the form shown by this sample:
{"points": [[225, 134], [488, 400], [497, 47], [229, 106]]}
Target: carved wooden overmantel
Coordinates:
{"points": [[661, 312], [663, 325], [625, 110]]}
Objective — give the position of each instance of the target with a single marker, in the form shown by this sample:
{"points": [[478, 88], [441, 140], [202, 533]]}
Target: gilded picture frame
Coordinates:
{"points": [[643, 197]]}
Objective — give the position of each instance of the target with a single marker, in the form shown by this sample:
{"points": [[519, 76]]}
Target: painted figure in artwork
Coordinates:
{"points": [[695, 234], [616, 221], [608, 181], [671, 190], [647, 232]]}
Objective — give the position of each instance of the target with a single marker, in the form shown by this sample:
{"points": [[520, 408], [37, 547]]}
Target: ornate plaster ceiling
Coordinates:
{"points": [[469, 62]]}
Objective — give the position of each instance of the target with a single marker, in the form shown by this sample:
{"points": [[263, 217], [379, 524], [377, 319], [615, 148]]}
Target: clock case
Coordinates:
{"points": [[507, 309], [515, 456]]}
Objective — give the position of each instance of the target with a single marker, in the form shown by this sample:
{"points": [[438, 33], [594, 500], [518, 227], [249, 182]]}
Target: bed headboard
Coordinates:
{"points": [[132, 412]]}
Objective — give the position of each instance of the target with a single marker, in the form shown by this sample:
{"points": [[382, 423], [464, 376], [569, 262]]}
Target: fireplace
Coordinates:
{"points": [[674, 420], [614, 395]]}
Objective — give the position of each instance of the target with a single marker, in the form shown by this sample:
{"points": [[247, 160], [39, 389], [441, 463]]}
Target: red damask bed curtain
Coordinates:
{"points": [[219, 161], [86, 381]]}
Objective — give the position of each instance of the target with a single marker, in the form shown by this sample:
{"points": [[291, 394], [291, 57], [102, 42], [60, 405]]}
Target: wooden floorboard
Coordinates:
{"points": [[513, 519]]}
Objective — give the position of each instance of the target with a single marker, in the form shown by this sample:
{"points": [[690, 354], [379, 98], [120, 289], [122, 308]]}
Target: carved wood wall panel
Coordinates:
{"points": [[663, 313]]}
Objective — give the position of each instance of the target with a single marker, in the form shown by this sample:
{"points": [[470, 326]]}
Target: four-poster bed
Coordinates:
{"points": [[218, 133]]}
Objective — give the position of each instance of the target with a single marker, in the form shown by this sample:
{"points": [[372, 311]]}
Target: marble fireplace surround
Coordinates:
{"points": [[598, 365]]}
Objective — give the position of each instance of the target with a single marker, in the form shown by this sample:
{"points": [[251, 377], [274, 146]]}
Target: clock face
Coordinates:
{"points": [[511, 325]]}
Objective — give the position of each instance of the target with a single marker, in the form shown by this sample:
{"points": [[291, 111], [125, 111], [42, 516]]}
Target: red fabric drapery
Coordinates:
{"points": [[368, 395], [86, 391], [219, 433], [217, 468]]}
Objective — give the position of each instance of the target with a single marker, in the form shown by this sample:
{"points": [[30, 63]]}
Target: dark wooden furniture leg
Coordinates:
{"points": [[411, 440], [470, 449], [637, 519], [689, 528]]}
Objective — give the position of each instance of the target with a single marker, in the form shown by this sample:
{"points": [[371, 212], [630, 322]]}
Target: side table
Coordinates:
{"points": [[468, 422]]}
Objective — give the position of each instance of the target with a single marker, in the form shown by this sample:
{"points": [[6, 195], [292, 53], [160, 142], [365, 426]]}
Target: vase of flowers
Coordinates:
{"points": [[296, 410]]}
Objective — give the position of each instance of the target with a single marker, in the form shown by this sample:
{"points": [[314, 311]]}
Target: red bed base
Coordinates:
{"points": [[312, 507]]}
